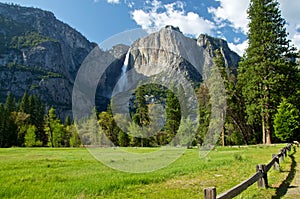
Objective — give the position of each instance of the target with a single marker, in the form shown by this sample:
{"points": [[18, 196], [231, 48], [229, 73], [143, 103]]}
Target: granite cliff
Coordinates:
{"points": [[42, 55], [39, 54]]}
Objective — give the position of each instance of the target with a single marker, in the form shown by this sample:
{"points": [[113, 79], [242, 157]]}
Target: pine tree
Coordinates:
{"points": [[217, 93], [10, 128], [20, 119], [124, 139], [53, 129], [204, 112], [266, 69], [2, 136], [32, 109], [109, 126], [286, 121], [220, 67], [39, 120], [24, 104], [74, 139], [68, 121], [173, 114], [141, 116]]}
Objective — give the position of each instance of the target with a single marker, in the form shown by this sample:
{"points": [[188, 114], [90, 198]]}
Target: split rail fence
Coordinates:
{"points": [[261, 177]]}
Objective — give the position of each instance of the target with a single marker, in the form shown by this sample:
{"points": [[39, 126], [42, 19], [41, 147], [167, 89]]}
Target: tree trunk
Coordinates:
{"points": [[263, 126], [262, 114], [223, 130], [268, 117], [268, 129]]}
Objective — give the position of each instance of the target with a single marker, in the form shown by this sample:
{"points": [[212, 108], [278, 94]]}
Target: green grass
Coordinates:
{"points": [[74, 173]]}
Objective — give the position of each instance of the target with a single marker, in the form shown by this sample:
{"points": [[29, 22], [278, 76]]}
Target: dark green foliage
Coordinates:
{"points": [[124, 139], [38, 120], [266, 72], [2, 120], [109, 126], [68, 121], [53, 129], [24, 105], [173, 115], [29, 40], [286, 121], [10, 128], [18, 35], [204, 112], [24, 124], [141, 116], [74, 136]]}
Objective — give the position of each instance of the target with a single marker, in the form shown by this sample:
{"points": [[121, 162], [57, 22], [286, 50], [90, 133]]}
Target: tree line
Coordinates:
{"points": [[25, 124]]}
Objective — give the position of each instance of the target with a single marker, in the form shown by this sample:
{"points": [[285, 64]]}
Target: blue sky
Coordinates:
{"points": [[101, 19]]}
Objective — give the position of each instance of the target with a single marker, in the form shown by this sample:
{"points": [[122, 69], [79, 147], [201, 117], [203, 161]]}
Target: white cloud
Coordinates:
{"points": [[142, 18], [159, 15], [239, 48], [290, 11], [296, 40], [234, 11], [236, 40], [113, 1]]}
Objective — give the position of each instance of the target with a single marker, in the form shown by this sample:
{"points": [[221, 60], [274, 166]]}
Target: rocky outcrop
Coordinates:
{"points": [[210, 44], [170, 48], [39, 54]]}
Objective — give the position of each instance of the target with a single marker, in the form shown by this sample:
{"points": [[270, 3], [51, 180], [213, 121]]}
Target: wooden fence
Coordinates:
{"points": [[261, 177]]}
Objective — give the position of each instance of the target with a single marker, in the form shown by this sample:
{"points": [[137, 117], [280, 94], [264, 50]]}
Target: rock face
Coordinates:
{"points": [[42, 55], [167, 53], [39, 54], [170, 48], [211, 44]]}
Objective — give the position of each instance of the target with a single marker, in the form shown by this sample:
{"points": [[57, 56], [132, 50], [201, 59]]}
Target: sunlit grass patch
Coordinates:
{"points": [[75, 173]]}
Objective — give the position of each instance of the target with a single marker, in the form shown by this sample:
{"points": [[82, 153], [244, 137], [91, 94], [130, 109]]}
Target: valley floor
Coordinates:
{"points": [[74, 173]]}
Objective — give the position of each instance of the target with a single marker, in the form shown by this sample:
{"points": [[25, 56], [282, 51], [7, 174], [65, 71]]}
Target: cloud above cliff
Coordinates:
{"points": [[232, 13], [226, 19], [157, 15]]}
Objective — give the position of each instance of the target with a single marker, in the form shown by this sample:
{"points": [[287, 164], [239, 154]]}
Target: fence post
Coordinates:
{"points": [[276, 164], [263, 181], [210, 193], [281, 156], [285, 152]]}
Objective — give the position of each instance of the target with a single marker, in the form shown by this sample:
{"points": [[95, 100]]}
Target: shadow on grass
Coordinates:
{"points": [[283, 188]]}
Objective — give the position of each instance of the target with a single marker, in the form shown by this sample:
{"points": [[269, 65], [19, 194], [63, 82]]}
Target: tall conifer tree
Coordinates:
{"points": [[267, 69], [173, 114]]}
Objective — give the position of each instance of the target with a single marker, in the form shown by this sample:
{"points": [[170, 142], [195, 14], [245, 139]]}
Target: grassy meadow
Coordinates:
{"points": [[74, 173]]}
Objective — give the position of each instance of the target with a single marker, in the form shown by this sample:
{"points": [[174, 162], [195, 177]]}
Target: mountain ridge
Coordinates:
{"points": [[42, 55]]}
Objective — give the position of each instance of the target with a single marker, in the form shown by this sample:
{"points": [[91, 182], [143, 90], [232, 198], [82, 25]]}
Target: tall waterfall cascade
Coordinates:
{"points": [[123, 78]]}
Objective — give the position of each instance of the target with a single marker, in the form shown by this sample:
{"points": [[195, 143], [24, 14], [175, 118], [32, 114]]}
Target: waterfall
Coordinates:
{"points": [[123, 78], [125, 65]]}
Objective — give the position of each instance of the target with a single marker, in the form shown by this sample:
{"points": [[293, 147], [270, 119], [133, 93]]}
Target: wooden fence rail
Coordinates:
{"points": [[260, 177]]}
